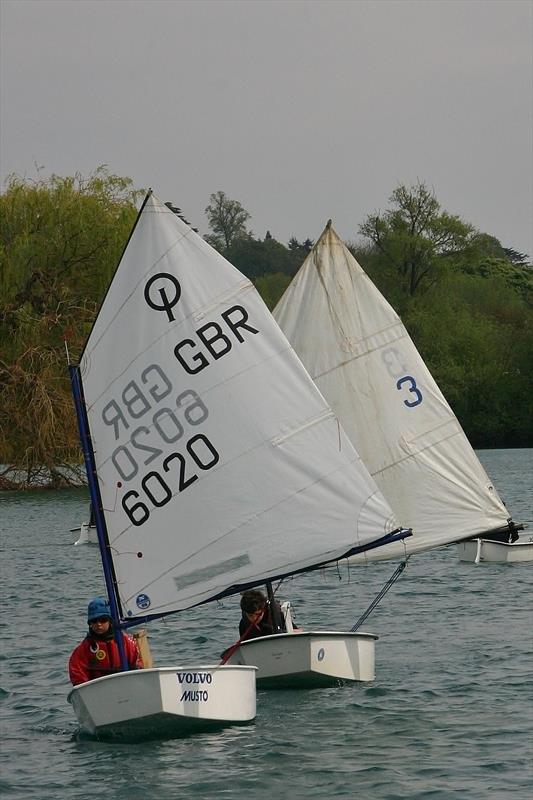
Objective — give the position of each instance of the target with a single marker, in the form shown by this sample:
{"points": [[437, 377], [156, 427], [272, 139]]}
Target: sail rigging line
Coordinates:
{"points": [[393, 578], [227, 654]]}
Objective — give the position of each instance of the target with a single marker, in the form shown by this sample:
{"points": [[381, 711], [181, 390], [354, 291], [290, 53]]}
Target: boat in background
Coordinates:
{"points": [[358, 352], [487, 551], [214, 465], [87, 533], [309, 659]]}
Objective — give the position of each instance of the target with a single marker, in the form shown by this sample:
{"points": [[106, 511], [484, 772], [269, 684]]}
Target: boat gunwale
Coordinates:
{"points": [[308, 634], [161, 670]]}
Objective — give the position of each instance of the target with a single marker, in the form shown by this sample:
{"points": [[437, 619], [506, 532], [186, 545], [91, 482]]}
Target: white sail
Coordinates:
{"points": [[357, 350], [219, 462]]}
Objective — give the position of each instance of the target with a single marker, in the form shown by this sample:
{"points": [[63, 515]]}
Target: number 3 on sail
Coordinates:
{"points": [[412, 388]]}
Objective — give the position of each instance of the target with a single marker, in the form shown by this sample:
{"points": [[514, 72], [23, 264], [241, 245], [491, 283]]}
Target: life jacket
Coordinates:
{"points": [[97, 657]]}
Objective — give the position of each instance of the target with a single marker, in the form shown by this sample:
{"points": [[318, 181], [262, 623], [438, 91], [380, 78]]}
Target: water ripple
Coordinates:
{"points": [[449, 716]]}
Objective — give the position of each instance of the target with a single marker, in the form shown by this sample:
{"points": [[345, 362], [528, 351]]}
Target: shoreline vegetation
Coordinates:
{"points": [[465, 299]]}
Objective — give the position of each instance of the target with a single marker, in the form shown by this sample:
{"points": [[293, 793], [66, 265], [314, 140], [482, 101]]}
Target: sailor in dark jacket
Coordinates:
{"points": [[256, 618]]}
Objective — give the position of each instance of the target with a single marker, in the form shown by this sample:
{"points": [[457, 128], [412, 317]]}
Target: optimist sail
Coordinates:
{"points": [[362, 359], [219, 463]]}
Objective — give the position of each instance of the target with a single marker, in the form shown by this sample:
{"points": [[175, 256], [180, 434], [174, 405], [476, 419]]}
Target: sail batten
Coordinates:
{"points": [[218, 461], [362, 359]]}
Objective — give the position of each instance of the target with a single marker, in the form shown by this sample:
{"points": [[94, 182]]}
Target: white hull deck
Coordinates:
{"points": [[165, 702], [308, 659], [485, 551]]}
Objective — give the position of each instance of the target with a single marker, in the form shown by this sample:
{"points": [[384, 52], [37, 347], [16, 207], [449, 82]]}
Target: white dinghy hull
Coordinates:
{"points": [[87, 534], [165, 702], [486, 551], [308, 659]]}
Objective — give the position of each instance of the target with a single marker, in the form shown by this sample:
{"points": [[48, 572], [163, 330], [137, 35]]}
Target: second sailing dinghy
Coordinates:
{"points": [[305, 659], [87, 531], [362, 359], [214, 465]]}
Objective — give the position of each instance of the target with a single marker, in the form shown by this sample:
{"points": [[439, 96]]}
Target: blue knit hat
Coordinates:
{"points": [[98, 607]]}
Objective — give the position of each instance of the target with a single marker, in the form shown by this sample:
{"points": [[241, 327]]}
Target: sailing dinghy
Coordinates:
{"points": [[359, 354], [482, 551], [214, 465], [300, 659], [86, 532]]}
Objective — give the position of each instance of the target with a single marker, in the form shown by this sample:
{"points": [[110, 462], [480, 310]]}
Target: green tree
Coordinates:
{"points": [[271, 287], [227, 220], [515, 257], [298, 252], [254, 257], [416, 237], [61, 239], [518, 277], [475, 335]]}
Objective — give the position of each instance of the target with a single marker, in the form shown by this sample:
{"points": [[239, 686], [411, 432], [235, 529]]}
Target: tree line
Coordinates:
{"points": [[465, 299]]}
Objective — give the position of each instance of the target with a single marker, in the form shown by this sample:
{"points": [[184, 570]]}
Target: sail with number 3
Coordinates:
{"points": [[362, 359], [219, 463]]}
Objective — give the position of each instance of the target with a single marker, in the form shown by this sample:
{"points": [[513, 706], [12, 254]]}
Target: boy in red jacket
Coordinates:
{"points": [[97, 655]]}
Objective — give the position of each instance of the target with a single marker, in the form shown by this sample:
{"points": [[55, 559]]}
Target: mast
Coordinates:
{"points": [[276, 622], [96, 503]]}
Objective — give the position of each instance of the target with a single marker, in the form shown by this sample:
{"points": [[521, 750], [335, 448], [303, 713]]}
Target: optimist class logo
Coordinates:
{"points": [[162, 293]]}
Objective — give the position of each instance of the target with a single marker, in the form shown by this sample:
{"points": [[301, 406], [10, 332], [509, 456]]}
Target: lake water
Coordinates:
{"points": [[450, 714]]}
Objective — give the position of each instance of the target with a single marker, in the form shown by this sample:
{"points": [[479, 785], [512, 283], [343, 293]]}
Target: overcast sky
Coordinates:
{"points": [[302, 110]]}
